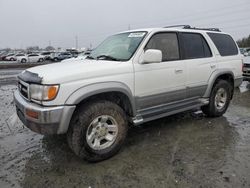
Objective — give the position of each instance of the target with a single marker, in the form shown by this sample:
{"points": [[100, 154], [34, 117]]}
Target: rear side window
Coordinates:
{"points": [[195, 46], [167, 43], [224, 43]]}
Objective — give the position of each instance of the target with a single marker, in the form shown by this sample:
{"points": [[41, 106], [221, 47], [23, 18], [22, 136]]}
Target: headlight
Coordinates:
{"points": [[43, 92]]}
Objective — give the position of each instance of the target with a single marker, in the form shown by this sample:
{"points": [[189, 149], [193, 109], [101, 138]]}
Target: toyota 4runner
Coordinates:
{"points": [[131, 78]]}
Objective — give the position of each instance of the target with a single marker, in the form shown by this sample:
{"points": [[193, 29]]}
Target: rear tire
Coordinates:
{"points": [[219, 99], [41, 60], [97, 130]]}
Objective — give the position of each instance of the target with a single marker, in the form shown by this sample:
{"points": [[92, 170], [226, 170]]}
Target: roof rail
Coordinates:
{"points": [[206, 29], [197, 28], [177, 26]]}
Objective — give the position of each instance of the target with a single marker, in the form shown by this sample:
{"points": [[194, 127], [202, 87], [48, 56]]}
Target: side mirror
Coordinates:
{"points": [[152, 56]]}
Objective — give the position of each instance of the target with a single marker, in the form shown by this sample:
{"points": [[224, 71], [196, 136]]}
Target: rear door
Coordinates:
{"points": [[199, 61]]}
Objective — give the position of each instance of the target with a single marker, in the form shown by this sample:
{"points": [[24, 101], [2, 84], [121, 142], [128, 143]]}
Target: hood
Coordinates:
{"points": [[63, 72], [74, 59]]}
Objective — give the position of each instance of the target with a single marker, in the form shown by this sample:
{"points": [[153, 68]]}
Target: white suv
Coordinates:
{"points": [[132, 77]]}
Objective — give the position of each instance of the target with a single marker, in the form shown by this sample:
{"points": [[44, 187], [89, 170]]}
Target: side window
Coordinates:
{"points": [[195, 46], [224, 43], [167, 43]]}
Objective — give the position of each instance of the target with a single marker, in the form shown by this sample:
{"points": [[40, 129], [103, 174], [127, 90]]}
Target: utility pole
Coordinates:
{"points": [[76, 38], [129, 27], [49, 43]]}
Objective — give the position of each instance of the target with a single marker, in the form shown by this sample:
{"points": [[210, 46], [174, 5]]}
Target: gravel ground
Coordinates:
{"points": [[184, 150]]}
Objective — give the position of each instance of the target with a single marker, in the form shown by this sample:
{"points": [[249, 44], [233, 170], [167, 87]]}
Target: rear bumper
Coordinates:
{"points": [[50, 120]]}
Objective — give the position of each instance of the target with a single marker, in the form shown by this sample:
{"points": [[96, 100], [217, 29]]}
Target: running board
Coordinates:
{"points": [[167, 110]]}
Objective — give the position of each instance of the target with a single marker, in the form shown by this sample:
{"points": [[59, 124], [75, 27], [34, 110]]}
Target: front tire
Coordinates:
{"points": [[41, 60], [219, 99], [23, 61], [97, 130]]}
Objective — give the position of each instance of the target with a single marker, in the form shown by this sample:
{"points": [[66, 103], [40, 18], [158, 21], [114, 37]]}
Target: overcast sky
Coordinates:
{"points": [[41, 22]]}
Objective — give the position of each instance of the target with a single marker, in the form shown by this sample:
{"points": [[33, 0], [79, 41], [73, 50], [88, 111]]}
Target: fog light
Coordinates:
{"points": [[32, 113]]}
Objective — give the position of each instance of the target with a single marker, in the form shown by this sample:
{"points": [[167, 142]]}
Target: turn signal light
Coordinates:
{"points": [[52, 92], [32, 113]]}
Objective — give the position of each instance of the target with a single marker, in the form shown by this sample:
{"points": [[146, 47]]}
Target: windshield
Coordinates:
{"points": [[120, 47]]}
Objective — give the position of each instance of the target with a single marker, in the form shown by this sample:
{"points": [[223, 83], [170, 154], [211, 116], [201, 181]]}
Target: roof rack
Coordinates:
{"points": [[196, 28]]}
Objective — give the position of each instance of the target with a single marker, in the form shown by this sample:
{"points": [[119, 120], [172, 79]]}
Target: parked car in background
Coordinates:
{"points": [[22, 58], [243, 52], [8, 56], [73, 52], [47, 55], [3, 55], [80, 57], [61, 56], [246, 69], [31, 58], [14, 57]]}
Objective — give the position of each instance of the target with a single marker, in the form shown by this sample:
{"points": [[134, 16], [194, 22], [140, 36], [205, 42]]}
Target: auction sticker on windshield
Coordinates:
{"points": [[138, 34]]}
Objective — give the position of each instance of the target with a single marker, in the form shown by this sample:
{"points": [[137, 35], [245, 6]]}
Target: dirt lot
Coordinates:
{"points": [[185, 150]]}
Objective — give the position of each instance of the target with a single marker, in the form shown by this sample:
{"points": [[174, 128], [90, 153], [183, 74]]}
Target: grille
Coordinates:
{"points": [[23, 89]]}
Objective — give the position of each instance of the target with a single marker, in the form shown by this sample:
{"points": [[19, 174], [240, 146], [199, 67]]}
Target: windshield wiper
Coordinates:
{"points": [[108, 57]]}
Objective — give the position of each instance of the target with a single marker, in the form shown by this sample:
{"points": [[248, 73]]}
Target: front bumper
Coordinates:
{"points": [[51, 120]]}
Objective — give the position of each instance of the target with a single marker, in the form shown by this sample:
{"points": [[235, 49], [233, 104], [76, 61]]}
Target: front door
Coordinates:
{"points": [[161, 83]]}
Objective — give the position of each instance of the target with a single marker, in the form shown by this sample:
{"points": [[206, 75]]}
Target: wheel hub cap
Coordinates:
{"points": [[220, 98], [102, 132]]}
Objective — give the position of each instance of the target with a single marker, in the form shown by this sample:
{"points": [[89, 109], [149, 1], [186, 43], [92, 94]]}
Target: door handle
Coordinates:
{"points": [[178, 70]]}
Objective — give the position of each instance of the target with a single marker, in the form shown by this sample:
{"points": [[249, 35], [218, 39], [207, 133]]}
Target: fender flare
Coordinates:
{"points": [[102, 87], [213, 78]]}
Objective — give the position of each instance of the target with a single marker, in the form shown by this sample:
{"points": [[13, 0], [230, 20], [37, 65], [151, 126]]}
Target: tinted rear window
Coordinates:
{"points": [[224, 43], [195, 46]]}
